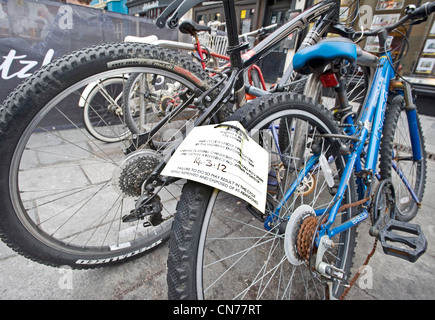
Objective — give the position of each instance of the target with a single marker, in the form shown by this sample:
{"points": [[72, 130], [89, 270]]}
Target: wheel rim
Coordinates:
{"points": [[60, 183], [238, 259]]}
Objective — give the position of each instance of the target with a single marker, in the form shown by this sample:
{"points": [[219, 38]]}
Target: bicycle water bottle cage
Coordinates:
{"points": [[192, 28], [316, 57]]}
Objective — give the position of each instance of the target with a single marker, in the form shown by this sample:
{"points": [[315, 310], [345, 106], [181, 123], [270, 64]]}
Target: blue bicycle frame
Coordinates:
{"points": [[370, 127]]}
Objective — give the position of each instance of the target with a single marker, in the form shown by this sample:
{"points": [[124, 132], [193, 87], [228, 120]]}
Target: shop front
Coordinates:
{"points": [[147, 8], [413, 49]]}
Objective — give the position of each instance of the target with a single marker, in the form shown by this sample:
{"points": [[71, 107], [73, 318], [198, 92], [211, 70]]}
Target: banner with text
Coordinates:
{"points": [[34, 32]]}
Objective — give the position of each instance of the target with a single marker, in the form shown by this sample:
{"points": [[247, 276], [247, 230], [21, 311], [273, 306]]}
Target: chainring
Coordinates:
{"points": [[384, 206]]}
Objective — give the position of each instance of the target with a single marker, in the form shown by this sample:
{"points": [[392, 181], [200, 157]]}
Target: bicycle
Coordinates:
{"points": [[110, 117], [207, 49], [102, 109], [302, 245], [69, 199], [104, 106]]}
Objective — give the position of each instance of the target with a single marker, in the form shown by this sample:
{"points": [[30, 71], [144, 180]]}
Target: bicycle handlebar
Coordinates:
{"points": [[423, 11], [418, 15]]}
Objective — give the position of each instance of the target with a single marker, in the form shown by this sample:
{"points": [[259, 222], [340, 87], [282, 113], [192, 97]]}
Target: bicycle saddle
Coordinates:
{"points": [[192, 28], [316, 57]]}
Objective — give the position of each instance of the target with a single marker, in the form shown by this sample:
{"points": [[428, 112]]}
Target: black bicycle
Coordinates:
{"points": [[70, 199]]}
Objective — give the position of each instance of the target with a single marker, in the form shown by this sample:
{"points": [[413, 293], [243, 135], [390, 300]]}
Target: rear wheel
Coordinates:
{"points": [[65, 194], [357, 82]]}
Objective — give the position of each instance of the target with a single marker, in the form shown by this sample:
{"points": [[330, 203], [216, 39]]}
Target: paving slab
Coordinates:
{"points": [[385, 277]]}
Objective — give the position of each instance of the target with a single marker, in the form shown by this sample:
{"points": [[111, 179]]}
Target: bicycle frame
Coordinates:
{"points": [[298, 23], [234, 82], [370, 127], [328, 8]]}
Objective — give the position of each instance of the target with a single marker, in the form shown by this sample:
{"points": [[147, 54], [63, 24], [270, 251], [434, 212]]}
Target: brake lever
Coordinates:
{"points": [[161, 20], [185, 6]]}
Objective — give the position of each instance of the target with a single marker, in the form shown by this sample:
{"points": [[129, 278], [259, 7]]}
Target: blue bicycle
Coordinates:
{"points": [[325, 178]]}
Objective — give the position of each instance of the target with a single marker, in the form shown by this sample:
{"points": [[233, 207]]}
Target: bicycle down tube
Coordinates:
{"points": [[371, 124]]}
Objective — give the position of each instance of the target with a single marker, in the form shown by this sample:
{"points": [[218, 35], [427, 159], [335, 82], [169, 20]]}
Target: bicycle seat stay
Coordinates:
{"points": [[315, 57]]}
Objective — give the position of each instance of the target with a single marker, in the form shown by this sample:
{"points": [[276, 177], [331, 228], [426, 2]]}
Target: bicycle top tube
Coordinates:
{"points": [[297, 23], [369, 127]]}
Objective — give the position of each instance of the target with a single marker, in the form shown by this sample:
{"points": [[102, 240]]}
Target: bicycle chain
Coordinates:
{"points": [[356, 276], [366, 262]]}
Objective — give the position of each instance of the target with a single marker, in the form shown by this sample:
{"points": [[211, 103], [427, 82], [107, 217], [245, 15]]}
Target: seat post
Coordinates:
{"points": [[234, 50], [232, 33]]}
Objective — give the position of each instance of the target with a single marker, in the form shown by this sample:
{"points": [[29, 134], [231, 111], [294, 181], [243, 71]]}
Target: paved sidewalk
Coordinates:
{"points": [[145, 278]]}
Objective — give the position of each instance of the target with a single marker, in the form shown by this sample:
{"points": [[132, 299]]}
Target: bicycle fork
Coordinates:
{"points": [[411, 115]]}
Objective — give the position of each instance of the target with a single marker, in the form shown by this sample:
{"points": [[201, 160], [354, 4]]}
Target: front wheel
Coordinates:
{"points": [[221, 248], [397, 159], [102, 109]]}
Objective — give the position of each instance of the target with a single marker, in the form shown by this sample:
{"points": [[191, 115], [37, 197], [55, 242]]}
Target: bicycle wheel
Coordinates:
{"points": [[132, 98], [357, 84], [65, 195], [396, 149], [102, 109], [148, 97], [220, 248]]}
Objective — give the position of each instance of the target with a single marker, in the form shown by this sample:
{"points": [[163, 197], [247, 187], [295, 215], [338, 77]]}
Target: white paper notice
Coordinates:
{"points": [[223, 157]]}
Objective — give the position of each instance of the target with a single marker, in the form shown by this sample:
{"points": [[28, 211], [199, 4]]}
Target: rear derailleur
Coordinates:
{"points": [[148, 205]]}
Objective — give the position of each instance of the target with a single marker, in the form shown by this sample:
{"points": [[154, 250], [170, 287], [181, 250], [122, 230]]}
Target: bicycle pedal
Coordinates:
{"points": [[410, 239]]}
